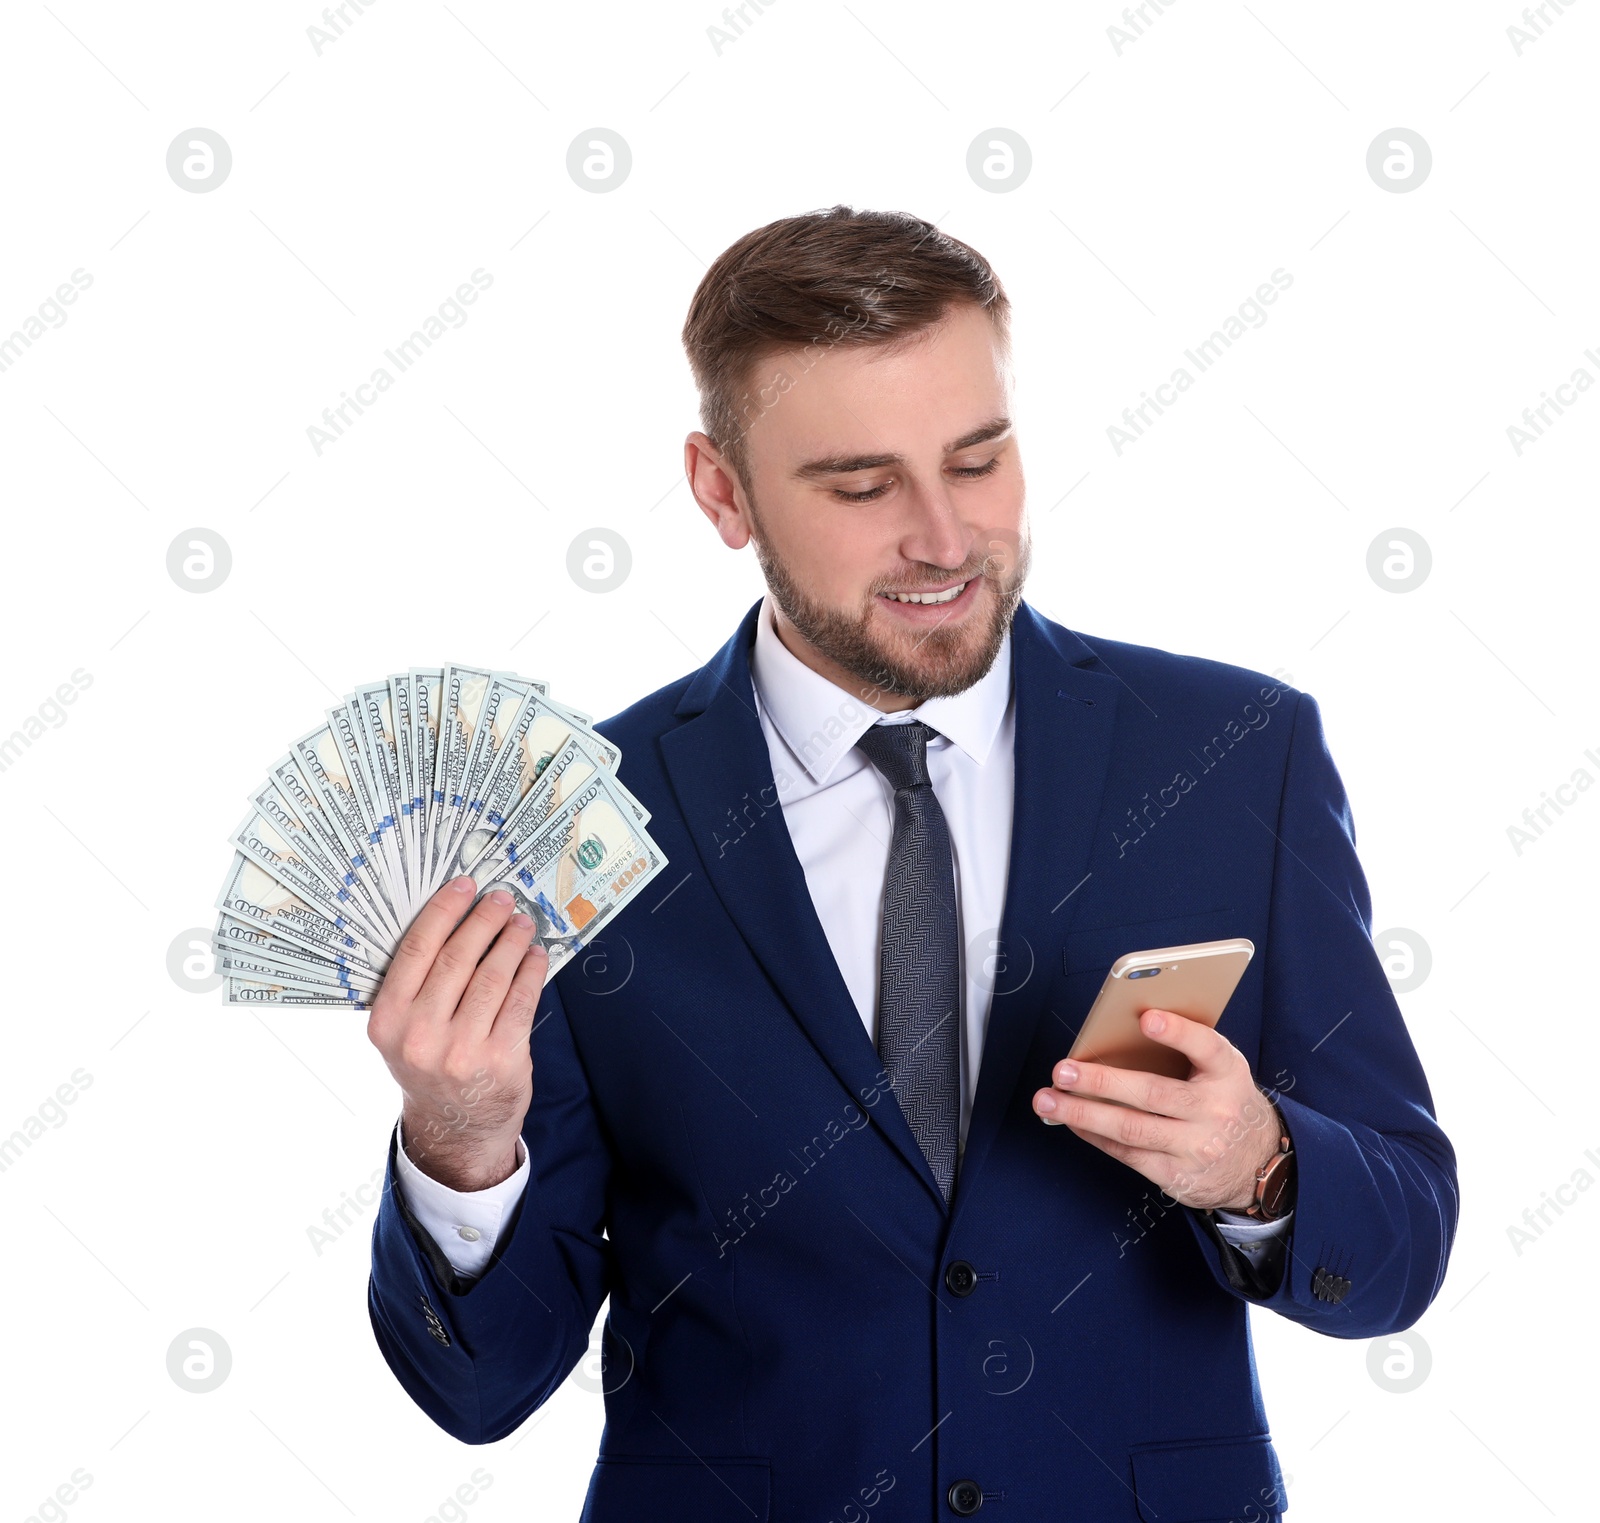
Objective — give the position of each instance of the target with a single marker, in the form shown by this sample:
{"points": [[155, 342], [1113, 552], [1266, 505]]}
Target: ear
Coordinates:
{"points": [[716, 490]]}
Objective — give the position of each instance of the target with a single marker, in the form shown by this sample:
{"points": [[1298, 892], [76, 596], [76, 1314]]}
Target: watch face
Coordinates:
{"points": [[1275, 1184]]}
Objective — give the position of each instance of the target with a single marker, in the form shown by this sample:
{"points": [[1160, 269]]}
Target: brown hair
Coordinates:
{"points": [[836, 276]]}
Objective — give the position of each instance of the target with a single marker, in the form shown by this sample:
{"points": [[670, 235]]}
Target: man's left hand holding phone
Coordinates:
{"points": [[1167, 1129], [1202, 1140]]}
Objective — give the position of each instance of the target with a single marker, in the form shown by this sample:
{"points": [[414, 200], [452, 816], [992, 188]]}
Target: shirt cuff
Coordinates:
{"points": [[464, 1223], [1252, 1238]]}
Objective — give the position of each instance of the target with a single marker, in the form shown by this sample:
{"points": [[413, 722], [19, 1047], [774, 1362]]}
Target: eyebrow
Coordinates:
{"points": [[843, 465]]}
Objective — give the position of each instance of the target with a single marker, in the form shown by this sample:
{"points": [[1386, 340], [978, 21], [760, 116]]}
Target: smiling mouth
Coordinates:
{"points": [[946, 595]]}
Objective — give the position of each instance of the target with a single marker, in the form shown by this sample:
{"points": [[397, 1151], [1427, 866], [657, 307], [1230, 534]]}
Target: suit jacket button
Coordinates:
{"points": [[960, 1278], [964, 1498], [1328, 1286]]}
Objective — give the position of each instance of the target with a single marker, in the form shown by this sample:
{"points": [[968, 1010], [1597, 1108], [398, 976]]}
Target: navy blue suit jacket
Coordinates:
{"points": [[714, 1145]]}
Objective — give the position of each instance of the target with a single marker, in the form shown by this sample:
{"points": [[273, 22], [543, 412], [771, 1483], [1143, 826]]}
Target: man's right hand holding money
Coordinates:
{"points": [[452, 1020]]}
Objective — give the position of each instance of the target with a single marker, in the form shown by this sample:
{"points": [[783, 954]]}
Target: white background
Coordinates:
{"points": [[1168, 181]]}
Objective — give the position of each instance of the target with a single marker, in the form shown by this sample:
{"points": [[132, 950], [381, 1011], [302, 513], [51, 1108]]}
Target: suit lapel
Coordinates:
{"points": [[1064, 721], [721, 773]]}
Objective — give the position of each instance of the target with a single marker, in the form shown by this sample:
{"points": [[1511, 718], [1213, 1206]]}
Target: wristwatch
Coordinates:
{"points": [[1274, 1180]]}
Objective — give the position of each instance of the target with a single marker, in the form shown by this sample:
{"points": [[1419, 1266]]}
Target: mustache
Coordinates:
{"points": [[993, 565]]}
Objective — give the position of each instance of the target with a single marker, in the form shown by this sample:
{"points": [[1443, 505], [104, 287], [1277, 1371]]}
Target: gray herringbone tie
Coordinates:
{"points": [[919, 986]]}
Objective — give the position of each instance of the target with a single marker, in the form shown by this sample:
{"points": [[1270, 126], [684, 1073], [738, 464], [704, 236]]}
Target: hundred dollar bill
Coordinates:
{"points": [[572, 764], [250, 940], [373, 702], [269, 853], [504, 698], [577, 716], [462, 698], [362, 768], [322, 759], [250, 893], [352, 866], [246, 965], [589, 857], [430, 772], [400, 699], [427, 696], [294, 824], [274, 836], [252, 992], [537, 733]]}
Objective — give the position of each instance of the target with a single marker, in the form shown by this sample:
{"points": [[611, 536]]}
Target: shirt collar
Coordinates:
{"points": [[820, 722]]}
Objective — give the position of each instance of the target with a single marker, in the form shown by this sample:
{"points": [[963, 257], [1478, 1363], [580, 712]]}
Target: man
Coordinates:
{"points": [[872, 1247]]}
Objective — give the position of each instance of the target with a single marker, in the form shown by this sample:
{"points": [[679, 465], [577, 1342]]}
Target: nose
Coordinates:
{"points": [[936, 535]]}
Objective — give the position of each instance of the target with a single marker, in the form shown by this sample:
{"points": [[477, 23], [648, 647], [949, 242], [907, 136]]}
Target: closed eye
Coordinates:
{"points": [[966, 472]]}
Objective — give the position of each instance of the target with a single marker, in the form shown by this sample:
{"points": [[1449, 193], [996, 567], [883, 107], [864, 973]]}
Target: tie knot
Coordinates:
{"points": [[899, 752]]}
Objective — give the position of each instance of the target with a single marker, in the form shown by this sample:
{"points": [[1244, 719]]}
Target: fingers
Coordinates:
{"points": [[1206, 1048], [422, 940], [1150, 1092], [1144, 1142], [457, 960], [492, 978], [515, 1018], [1097, 1121]]}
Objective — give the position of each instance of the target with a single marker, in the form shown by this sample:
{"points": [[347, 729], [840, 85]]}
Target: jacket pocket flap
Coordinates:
{"points": [[1209, 1481], [1100, 946]]}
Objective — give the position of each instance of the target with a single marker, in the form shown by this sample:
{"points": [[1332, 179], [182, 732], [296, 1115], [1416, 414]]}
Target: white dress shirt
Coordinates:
{"points": [[839, 810]]}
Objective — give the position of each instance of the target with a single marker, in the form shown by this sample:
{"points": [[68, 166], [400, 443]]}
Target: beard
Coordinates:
{"points": [[936, 663]]}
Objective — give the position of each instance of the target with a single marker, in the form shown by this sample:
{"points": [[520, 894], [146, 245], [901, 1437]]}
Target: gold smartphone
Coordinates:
{"points": [[1196, 981]]}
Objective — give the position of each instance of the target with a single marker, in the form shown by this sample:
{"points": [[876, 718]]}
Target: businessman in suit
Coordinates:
{"points": [[873, 1249]]}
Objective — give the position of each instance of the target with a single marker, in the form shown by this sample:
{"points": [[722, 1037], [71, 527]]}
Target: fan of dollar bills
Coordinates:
{"points": [[408, 783]]}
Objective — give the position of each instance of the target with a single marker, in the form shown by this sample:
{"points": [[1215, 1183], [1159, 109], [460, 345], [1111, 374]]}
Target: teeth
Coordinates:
{"points": [[927, 597]]}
